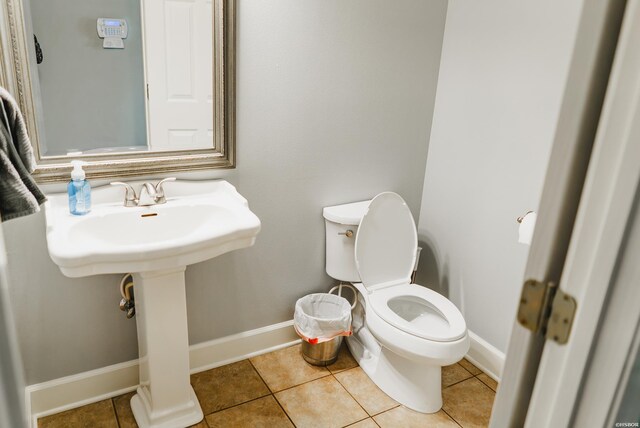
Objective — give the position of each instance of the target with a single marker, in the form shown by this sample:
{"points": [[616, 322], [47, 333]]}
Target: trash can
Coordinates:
{"points": [[321, 320], [323, 353]]}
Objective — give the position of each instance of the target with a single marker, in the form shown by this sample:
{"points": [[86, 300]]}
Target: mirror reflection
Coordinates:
{"points": [[121, 76]]}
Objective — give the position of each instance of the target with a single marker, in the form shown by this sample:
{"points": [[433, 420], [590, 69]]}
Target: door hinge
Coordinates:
{"points": [[547, 310], [147, 91]]}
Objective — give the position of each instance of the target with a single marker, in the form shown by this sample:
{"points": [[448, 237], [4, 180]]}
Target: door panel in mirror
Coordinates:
{"points": [[178, 37]]}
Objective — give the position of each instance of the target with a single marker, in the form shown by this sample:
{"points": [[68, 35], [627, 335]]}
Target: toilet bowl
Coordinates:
{"points": [[403, 333]]}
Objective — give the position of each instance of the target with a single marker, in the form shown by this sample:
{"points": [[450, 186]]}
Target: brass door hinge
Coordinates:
{"points": [[547, 310]]}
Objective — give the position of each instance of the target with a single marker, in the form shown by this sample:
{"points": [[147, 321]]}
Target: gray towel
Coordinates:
{"points": [[19, 194]]}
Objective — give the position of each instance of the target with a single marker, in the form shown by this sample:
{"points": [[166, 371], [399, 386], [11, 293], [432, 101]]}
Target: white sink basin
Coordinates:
{"points": [[199, 221]]}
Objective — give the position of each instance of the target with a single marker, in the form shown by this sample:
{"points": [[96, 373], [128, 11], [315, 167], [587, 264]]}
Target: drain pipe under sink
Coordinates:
{"points": [[127, 303]]}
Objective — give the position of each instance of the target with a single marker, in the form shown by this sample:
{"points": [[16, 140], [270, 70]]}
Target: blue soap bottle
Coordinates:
{"points": [[79, 190]]}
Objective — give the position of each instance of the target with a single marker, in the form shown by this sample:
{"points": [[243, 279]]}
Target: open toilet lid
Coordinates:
{"points": [[386, 242]]}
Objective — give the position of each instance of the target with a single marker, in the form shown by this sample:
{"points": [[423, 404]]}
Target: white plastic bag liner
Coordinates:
{"points": [[320, 317]]}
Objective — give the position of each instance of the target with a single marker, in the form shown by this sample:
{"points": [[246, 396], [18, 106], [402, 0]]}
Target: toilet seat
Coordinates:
{"points": [[409, 345], [385, 253], [419, 311], [386, 242]]}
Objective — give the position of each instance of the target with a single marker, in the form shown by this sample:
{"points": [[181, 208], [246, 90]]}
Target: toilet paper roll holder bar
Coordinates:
{"points": [[519, 219]]}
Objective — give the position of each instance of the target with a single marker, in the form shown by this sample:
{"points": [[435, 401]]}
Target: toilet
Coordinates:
{"points": [[403, 333]]}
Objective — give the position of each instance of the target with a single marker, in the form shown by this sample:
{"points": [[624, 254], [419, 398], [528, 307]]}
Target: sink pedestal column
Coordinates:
{"points": [[165, 397]]}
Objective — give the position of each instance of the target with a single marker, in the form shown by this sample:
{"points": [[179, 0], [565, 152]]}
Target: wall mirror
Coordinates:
{"points": [[132, 87]]}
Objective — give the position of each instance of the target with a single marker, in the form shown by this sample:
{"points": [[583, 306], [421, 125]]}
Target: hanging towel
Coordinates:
{"points": [[19, 194]]}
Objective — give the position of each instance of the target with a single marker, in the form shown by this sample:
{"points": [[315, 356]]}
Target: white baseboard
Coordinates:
{"points": [[69, 392], [485, 356]]}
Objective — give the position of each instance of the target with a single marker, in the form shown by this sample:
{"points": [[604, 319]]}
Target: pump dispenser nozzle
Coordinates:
{"points": [[78, 173]]}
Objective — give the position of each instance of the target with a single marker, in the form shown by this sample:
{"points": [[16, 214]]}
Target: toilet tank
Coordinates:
{"points": [[340, 247]]}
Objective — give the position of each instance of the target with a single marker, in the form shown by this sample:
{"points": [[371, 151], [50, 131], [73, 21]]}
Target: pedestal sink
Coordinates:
{"points": [[199, 221]]}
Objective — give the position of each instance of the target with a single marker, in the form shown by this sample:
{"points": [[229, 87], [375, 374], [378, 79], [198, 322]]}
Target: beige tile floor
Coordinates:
{"points": [[280, 389]]}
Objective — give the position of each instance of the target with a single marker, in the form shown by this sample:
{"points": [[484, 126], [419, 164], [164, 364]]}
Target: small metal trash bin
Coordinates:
{"points": [[321, 320], [323, 353]]}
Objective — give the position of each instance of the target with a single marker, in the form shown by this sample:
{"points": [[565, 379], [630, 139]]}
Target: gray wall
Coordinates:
{"points": [[334, 104], [502, 76], [91, 97]]}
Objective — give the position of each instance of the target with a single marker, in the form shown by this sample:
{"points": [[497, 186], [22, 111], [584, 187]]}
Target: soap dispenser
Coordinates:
{"points": [[79, 190]]}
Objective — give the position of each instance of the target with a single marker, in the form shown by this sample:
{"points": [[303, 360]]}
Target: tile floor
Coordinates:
{"points": [[280, 389]]}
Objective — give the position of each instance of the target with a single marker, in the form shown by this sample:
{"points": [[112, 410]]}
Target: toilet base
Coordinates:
{"points": [[414, 385]]}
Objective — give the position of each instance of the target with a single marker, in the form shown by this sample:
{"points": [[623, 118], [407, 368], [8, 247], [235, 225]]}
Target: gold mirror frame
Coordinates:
{"points": [[15, 77]]}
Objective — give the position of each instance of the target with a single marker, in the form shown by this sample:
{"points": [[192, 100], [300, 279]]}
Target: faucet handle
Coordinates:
{"points": [[160, 198], [130, 197]]}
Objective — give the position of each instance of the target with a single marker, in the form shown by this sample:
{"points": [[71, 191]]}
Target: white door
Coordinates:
{"points": [[577, 383], [179, 70], [545, 383]]}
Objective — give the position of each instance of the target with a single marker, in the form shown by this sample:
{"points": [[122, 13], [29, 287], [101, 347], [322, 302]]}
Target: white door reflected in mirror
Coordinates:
{"points": [[178, 54]]}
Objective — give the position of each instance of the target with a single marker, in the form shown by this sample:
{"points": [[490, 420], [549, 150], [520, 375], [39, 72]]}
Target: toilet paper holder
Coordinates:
{"points": [[519, 219]]}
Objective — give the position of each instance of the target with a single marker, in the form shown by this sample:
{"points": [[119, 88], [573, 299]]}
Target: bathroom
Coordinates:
{"points": [[454, 105]]}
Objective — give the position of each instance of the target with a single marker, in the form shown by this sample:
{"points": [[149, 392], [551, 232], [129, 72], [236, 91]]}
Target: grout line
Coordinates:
{"points": [[388, 410], [283, 409], [236, 405], [272, 393], [458, 363], [338, 371], [328, 373], [244, 402], [354, 398], [204, 419], [300, 384], [357, 422], [115, 414], [472, 365], [344, 371], [259, 375], [452, 418], [460, 381], [485, 384]]}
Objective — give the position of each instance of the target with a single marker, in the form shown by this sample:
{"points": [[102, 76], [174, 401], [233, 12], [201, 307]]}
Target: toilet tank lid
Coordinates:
{"points": [[349, 214]]}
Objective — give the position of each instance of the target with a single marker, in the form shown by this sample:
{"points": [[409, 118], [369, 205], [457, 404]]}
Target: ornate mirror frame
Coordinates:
{"points": [[15, 77]]}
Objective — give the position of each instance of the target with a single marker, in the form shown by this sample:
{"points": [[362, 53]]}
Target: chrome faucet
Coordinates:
{"points": [[149, 194], [130, 197]]}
